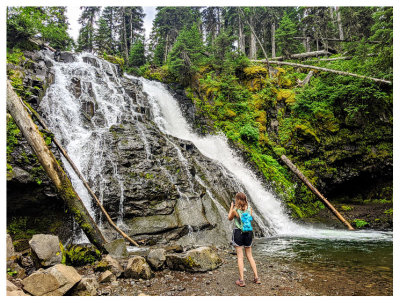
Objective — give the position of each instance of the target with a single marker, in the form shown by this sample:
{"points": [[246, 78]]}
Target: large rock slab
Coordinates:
{"points": [[138, 268], [54, 281], [45, 250], [196, 260]]}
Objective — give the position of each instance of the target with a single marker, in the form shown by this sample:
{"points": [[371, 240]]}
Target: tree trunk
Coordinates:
{"points": [[259, 42], [273, 48], [308, 45], [253, 46], [299, 174], [241, 42], [339, 21], [124, 35], [304, 55], [53, 169], [326, 70]]}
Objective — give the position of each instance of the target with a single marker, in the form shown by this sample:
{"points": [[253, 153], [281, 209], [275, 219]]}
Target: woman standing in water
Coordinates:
{"points": [[242, 235]]}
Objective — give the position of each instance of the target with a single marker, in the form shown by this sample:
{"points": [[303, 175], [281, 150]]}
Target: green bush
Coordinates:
{"points": [[249, 133]]}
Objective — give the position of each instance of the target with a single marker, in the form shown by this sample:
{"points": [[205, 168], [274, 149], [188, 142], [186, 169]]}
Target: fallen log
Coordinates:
{"points": [[326, 70], [299, 174], [341, 40], [303, 55], [55, 172]]}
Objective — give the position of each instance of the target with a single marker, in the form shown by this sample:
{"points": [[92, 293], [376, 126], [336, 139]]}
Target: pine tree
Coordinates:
{"points": [[285, 36], [86, 33], [186, 54], [136, 54]]}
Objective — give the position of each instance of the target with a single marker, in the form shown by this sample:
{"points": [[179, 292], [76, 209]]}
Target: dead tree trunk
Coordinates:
{"points": [[299, 174], [259, 42], [273, 53], [306, 79], [326, 70], [304, 55], [53, 169]]}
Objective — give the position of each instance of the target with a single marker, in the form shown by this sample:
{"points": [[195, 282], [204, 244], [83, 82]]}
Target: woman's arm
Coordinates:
{"points": [[232, 212]]}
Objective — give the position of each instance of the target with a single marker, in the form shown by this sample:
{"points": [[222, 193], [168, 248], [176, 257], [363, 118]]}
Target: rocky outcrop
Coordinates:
{"points": [[46, 250], [86, 287], [54, 281], [196, 260]]}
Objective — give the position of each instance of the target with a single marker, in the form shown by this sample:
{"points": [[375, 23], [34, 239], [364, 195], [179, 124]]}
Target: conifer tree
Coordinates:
{"points": [[86, 33]]}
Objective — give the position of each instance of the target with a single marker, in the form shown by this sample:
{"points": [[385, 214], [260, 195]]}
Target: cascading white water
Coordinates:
{"points": [[169, 118], [84, 139]]}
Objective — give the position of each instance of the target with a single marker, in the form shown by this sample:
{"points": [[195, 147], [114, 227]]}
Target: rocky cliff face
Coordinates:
{"points": [[157, 187]]}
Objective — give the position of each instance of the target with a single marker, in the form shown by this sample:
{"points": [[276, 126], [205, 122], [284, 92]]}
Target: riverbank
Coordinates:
{"points": [[278, 279]]}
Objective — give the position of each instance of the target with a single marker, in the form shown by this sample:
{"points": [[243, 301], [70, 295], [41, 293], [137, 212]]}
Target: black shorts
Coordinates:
{"points": [[240, 238]]}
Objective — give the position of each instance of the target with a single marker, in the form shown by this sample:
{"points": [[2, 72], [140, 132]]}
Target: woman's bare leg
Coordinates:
{"points": [[239, 253], [249, 256]]}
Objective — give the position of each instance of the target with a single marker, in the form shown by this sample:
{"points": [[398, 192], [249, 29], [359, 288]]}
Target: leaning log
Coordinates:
{"points": [[303, 178], [55, 172], [82, 178], [303, 55], [306, 79], [326, 70]]}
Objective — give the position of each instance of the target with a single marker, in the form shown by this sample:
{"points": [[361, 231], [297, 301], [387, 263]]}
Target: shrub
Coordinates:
{"points": [[249, 133]]}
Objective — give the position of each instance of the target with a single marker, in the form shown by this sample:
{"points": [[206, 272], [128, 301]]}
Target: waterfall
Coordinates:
{"points": [[88, 99], [169, 118]]}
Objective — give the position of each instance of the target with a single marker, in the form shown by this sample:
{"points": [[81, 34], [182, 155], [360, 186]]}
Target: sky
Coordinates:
{"points": [[73, 13]]}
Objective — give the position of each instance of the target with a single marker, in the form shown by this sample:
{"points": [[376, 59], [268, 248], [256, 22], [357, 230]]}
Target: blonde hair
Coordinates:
{"points": [[241, 201]]}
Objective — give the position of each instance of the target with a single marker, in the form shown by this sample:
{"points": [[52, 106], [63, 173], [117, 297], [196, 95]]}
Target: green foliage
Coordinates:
{"points": [[11, 272], [48, 22], [346, 207], [360, 223], [186, 55], [114, 59], [389, 212], [249, 133], [136, 55], [76, 255], [13, 133], [285, 36]]}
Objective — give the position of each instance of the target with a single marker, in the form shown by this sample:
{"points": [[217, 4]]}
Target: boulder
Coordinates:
{"points": [[114, 265], [138, 268], [196, 260], [106, 277], [13, 290], [54, 281], [10, 247], [117, 248], [45, 250], [156, 258], [86, 287]]}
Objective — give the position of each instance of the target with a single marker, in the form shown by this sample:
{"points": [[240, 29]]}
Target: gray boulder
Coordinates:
{"points": [[196, 260], [113, 265], [138, 268], [54, 281], [156, 258], [46, 250]]}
